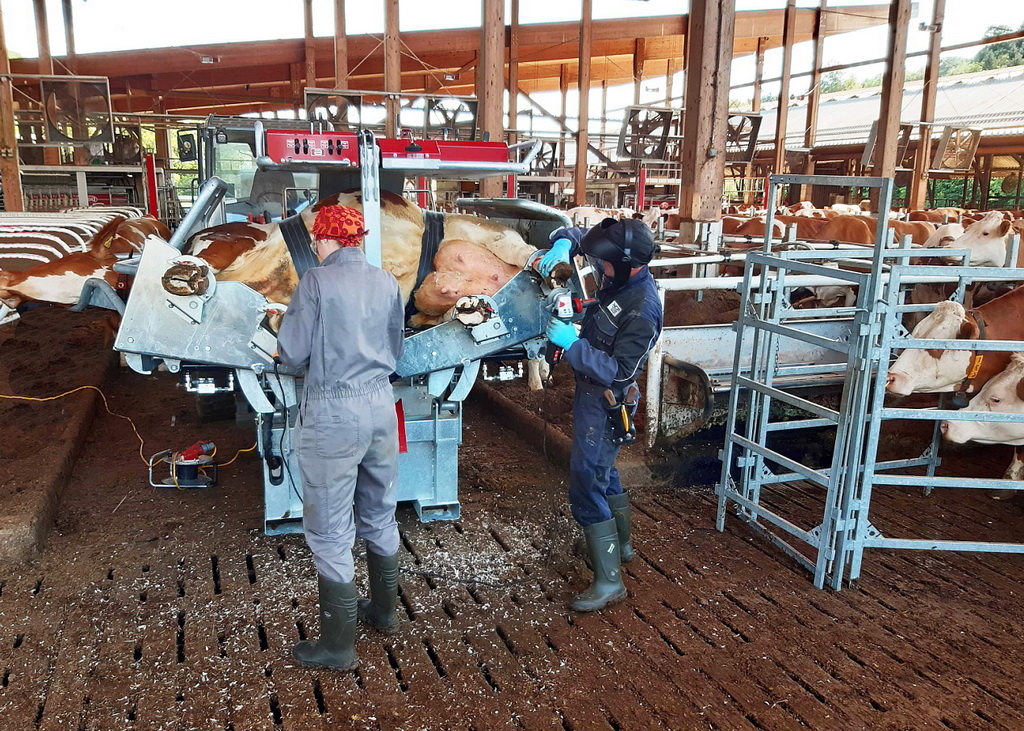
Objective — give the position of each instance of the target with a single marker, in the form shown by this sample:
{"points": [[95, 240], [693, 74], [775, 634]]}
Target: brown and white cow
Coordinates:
{"points": [[256, 254], [1002, 394], [934, 371], [60, 281], [476, 256], [987, 239]]}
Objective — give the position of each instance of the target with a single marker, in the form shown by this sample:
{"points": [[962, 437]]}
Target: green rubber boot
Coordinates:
{"points": [[336, 647], [607, 588], [619, 505], [379, 610]]}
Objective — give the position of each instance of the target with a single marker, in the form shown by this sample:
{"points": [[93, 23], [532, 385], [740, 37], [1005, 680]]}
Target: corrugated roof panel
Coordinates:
{"points": [[991, 100]]}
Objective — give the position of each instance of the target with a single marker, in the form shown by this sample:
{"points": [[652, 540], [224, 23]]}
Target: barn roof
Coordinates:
{"points": [[991, 100]]}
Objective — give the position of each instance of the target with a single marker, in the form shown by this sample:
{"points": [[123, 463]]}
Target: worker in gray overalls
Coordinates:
{"points": [[345, 327]]}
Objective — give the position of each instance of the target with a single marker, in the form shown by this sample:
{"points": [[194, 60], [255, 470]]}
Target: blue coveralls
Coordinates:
{"points": [[345, 326], [618, 332]]}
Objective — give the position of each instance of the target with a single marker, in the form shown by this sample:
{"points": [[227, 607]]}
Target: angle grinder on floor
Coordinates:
{"points": [[191, 468]]}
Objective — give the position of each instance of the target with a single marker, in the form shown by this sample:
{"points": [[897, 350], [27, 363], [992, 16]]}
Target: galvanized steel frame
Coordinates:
{"points": [[838, 541]]}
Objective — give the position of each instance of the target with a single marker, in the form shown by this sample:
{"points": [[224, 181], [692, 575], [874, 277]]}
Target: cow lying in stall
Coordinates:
{"points": [[60, 281], [475, 256]]}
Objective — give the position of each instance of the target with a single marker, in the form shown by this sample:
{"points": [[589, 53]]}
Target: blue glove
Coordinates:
{"points": [[557, 254], [561, 333]]}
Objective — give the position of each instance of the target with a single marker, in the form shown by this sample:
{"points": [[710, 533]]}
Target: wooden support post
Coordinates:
{"points": [[669, 71], [782, 113], [604, 114], [639, 56], [392, 67], [988, 162], [755, 102], [755, 106], [51, 155], [922, 158], [309, 52], [709, 45], [295, 83], [583, 87], [491, 83], [163, 147], [69, 33], [563, 87], [10, 169], [340, 46], [814, 97], [513, 74], [887, 140]]}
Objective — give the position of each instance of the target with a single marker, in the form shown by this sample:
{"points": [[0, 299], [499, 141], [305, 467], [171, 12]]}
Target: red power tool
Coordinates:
{"points": [[197, 450]]}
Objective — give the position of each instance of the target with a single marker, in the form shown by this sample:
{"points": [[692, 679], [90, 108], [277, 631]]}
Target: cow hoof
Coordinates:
{"points": [[561, 274], [186, 279]]}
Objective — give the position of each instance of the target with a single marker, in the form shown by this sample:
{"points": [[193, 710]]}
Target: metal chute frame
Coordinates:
{"points": [[223, 326], [833, 548]]}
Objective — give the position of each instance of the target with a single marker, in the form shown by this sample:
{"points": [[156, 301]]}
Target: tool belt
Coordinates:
{"points": [[620, 415]]}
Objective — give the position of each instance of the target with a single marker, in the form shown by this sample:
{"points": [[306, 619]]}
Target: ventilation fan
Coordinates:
{"points": [[956, 148], [644, 135], [341, 111], [77, 111], [458, 116], [903, 158], [127, 147], [546, 158], [741, 137]]}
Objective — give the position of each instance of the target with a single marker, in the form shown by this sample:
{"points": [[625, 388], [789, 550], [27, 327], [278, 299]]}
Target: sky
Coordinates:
{"points": [[111, 25]]}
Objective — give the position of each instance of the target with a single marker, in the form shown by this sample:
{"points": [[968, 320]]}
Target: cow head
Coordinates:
{"points": [[1002, 394], [986, 239], [932, 371]]}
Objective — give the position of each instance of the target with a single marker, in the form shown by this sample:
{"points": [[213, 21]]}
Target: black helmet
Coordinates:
{"points": [[623, 244]]}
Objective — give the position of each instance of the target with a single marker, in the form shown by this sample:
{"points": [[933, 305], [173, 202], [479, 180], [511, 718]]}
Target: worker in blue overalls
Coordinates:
{"points": [[607, 355], [345, 328]]}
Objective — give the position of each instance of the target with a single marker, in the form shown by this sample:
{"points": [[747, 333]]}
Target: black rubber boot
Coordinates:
{"points": [[607, 588], [379, 610], [336, 647], [619, 505]]}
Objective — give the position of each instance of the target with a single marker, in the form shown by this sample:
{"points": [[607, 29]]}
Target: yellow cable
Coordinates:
{"points": [[237, 454], [106, 406]]}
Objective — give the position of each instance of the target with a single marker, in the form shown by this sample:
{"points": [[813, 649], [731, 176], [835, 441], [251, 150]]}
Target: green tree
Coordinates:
{"points": [[1001, 55], [836, 81], [955, 66]]}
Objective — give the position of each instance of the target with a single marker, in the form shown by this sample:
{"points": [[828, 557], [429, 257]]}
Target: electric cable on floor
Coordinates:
{"points": [[106, 407]]}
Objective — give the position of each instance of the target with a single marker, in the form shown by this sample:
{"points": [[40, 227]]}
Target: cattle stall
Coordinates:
{"points": [[832, 550]]}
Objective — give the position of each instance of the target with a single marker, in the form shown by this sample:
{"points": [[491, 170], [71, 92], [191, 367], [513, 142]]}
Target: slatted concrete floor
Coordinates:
{"points": [[174, 611]]}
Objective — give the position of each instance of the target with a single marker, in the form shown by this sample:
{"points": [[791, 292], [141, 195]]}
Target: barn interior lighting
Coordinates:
{"points": [[207, 59], [451, 77]]}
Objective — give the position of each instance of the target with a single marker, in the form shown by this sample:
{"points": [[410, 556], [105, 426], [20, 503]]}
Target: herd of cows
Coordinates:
{"points": [[478, 256]]}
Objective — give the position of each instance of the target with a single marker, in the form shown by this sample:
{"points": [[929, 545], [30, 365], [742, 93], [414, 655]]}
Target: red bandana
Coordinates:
{"points": [[340, 223]]}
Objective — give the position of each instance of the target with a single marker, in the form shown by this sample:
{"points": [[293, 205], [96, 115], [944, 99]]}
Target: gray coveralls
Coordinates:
{"points": [[345, 326]]}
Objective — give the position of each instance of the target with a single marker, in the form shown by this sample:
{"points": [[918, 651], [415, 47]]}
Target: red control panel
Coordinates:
{"points": [[289, 146]]}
